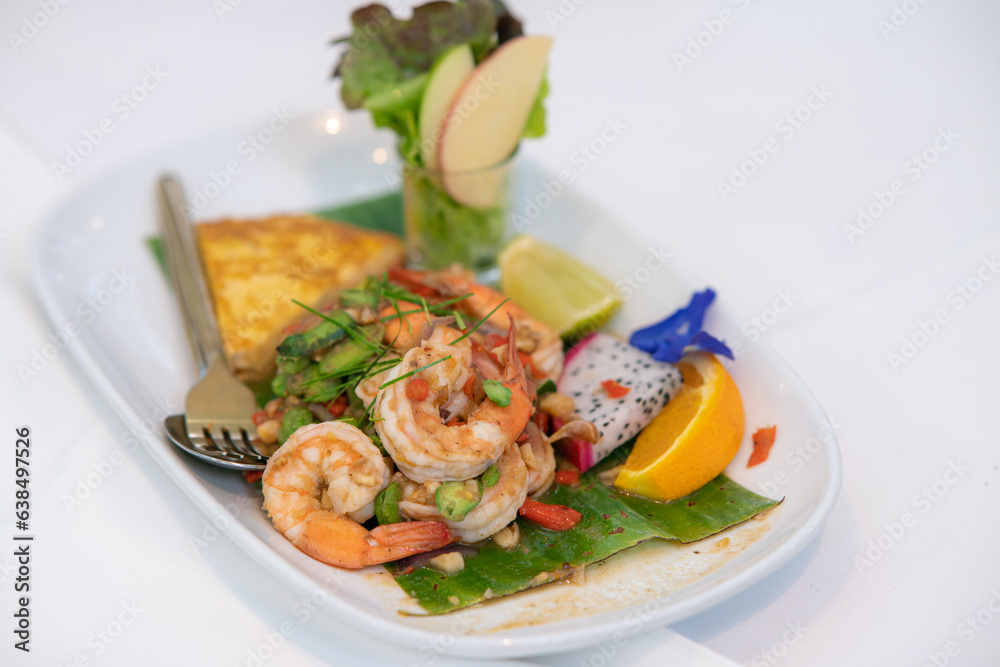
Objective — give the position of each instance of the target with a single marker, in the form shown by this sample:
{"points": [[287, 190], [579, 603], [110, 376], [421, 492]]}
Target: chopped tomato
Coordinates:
{"points": [[553, 517], [412, 281], [337, 406], [614, 389], [567, 477], [252, 476], [259, 417], [763, 440], [417, 389]]}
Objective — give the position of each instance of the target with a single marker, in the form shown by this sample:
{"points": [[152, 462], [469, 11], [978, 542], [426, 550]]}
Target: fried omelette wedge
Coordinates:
{"points": [[256, 267]]}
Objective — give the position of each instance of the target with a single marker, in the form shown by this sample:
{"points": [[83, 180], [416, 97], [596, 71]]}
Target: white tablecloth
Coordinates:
{"points": [[841, 160]]}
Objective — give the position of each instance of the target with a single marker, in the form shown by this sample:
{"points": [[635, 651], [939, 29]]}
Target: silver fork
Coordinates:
{"points": [[217, 425]]}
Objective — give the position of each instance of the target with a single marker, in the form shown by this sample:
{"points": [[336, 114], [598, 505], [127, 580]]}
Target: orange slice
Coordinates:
{"points": [[693, 438]]}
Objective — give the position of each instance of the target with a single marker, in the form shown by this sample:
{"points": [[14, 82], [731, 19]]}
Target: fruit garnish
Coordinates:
{"points": [[691, 440], [763, 440], [447, 76], [668, 339], [618, 417], [560, 291], [487, 117], [410, 73]]}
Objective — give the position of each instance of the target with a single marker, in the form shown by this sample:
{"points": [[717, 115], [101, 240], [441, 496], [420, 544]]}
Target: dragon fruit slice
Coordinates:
{"points": [[597, 359]]}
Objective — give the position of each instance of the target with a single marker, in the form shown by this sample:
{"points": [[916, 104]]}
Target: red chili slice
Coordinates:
{"points": [[763, 440], [553, 517], [253, 476], [412, 281], [614, 389], [338, 406], [417, 389], [567, 477]]}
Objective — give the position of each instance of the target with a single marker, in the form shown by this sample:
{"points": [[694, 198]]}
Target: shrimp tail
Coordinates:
{"points": [[514, 369], [337, 540], [413, 536]]}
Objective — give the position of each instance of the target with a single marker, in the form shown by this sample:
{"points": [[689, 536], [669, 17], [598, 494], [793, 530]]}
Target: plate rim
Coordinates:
{"points": [[498, 644]]}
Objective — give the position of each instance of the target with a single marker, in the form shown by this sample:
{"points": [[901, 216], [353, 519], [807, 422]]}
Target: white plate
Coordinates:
{"points": [[93, 270]]}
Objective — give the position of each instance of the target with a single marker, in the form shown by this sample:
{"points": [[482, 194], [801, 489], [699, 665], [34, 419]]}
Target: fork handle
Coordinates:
{"points": [[186, 272]]}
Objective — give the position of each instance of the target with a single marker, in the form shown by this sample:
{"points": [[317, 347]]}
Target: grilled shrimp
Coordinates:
{"points": [[497, 508], [540, 460], [322, 482], [541, 343], [413, 416]]}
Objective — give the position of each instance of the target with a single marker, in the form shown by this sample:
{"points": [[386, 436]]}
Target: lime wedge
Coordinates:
{"points": [[557, 289]]}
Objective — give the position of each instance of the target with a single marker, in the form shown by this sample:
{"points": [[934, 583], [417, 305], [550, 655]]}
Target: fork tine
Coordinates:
{"points": [[237, 438], [217, 440], [203, 449], [253, 444]]}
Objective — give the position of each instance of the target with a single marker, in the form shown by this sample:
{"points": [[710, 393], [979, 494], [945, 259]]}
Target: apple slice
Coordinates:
{"points": [[487, 117], [446, 78]]}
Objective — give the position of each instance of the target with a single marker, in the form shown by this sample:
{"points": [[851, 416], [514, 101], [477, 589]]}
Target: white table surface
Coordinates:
{"points": [[882, 93]]}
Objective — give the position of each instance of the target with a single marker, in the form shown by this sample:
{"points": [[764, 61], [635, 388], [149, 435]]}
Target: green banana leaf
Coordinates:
{"points": [[381, 213], [612, 522]]}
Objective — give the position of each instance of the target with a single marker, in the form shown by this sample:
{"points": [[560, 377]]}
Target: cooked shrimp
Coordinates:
{"points": [[497, 508], [540, 460], [424, 442], [404, 329], [542, 344], [367, 389], [322, 482]]}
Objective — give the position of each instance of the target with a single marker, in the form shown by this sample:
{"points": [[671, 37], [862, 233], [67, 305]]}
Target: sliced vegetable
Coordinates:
{"points": [[763, 440], [358, 298], [491, 476], [295, 418], [322, 335], [497, 392], [456, 499], [614, 389], [292, 365], [417, 389], [567, 477], [387, 504], [552, 517], [349, 353]]}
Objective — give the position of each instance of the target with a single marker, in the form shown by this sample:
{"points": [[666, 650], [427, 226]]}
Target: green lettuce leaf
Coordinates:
{"points": [[383, 51], [612, 522], [535, 127]]}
